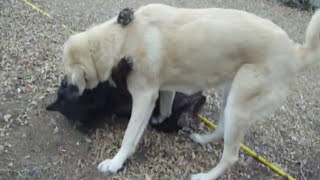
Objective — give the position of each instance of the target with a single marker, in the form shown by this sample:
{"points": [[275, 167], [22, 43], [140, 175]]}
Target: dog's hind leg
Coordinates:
{"points": [[166, 101], [218, 133], [253, 96]]}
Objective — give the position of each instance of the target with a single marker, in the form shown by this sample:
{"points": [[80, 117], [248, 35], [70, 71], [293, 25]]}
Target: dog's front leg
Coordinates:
{"points": [[143, 105]]}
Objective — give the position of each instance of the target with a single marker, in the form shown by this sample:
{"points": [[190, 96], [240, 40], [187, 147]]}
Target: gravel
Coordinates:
{"points": [[36, 144]]}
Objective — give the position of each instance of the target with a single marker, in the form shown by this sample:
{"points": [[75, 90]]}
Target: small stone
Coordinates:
{"points": [[6, 144], [1, 148], [52, 123], [7, 117], [88, 140], [56, 130]]}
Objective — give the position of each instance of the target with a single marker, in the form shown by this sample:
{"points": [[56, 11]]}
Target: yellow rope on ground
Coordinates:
{"points": [[47, 15], [252, 153], [37, 8], [68, 29], [206, 121]]}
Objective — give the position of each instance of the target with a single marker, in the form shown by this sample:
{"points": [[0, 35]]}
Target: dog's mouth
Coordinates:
{"points": [[53, 106]]}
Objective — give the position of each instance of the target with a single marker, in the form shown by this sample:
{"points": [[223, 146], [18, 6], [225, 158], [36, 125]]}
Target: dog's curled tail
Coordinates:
{"points": [[311, 50], [313, 32]]}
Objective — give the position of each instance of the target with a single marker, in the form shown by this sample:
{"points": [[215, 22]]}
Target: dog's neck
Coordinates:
{"points": [[114, 45], [93, 58]]}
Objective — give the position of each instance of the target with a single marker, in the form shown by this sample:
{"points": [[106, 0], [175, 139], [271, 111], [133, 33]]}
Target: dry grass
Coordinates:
{"points": [[36, 144]]}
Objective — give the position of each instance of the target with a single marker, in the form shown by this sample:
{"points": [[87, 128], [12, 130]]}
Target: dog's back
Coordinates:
{"points": [[203, 48]]}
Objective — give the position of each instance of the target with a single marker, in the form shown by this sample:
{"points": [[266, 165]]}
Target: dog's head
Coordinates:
{"points": [[78, 63], [90, 56], [66, 94], [89, 110]]}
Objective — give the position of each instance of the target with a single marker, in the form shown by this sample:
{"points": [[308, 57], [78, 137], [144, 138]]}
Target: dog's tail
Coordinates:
{"points": [[310, 51]]}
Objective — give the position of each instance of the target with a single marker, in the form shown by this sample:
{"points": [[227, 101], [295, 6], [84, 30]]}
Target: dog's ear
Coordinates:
{"points": [[64, 82], [77, 82], [125, 17]]}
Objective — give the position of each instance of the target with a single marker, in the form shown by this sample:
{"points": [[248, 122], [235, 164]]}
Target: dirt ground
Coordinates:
{"points": [[35, 144]]}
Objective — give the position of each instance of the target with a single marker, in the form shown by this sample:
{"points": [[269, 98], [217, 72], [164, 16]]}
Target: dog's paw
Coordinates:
{"points": [[197, 138], [157, 120], [186, 131], [200, 176], [125, 16], [109, 166]]}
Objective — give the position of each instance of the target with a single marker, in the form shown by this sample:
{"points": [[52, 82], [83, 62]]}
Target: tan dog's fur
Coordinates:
{"points": [[187, 50]]}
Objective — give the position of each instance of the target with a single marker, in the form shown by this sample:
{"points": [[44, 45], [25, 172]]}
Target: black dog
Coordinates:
{"points": [[89, 110]]}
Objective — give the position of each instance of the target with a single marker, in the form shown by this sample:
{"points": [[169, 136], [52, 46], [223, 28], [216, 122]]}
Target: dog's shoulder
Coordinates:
{"points": [[154, 7]]}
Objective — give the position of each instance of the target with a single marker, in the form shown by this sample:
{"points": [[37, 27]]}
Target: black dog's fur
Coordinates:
{"points": [[89, 110]]}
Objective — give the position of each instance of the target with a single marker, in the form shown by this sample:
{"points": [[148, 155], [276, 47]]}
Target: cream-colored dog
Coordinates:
{"points": [[186, 50]]}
